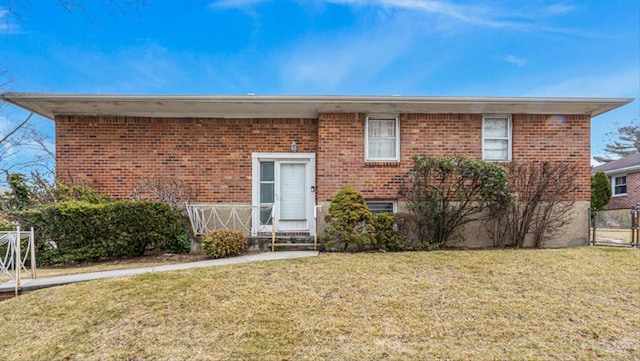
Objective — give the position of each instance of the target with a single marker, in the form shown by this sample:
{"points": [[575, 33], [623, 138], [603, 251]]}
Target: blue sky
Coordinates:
{"points": [[327, 47]]}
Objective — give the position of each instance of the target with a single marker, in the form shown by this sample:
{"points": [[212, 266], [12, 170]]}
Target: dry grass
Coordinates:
{"points": [[570, 304], [613, 235]]}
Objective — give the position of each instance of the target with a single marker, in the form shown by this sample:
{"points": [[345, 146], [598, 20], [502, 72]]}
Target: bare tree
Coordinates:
{"points": [[172, 191], [17, 8], [19, 136], [22, 137], [541, 206]]}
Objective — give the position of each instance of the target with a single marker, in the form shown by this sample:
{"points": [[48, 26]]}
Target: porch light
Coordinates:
{"points": [[294, 146]]}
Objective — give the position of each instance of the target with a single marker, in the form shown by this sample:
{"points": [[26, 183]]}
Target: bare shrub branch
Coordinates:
{"points": [[541, 205], [172, 191]]}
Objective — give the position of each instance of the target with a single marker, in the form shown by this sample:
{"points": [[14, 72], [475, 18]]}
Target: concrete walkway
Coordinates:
{"points": [[29, 284]]}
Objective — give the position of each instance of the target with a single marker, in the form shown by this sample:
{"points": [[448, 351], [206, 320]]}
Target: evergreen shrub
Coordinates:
{"points": [[77, 231], [224, 243]]}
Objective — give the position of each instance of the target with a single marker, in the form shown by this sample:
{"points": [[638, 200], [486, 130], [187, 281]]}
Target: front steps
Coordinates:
{"points": [[282, 243]]}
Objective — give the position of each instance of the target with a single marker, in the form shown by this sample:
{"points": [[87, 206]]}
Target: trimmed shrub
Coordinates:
{"points": [[224, 243], [350, 221], [75, 231], [386, 233]]}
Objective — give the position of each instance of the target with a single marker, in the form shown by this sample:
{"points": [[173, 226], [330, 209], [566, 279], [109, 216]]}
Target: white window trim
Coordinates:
{"points": [[509, 136], [392, 201], [366, 138], [613, 184]]}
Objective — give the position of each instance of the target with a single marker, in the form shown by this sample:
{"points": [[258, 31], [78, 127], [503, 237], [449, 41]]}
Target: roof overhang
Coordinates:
{"points": [[254, 106], [631, 169]]}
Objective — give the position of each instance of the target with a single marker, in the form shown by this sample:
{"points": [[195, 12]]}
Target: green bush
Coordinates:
{"points": [[224, 243], [76, 231], [600, 191], [350, 221], [450, 192], [179, 244], [386, 233]]}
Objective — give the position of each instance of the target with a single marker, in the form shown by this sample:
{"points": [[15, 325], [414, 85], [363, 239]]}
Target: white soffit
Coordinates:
{"points": [[252, 106]]}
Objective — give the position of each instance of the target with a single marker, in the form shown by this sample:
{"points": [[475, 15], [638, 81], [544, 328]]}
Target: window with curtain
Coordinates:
{"points": [[496, 138], [382, 139]]}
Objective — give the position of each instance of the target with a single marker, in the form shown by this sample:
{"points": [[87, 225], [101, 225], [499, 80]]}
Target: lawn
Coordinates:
{"points": [[570, 304]]}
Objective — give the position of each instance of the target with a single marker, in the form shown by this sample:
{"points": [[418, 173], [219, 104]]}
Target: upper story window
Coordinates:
{"points": [[496, 138], [382, 138], [619, 184]]}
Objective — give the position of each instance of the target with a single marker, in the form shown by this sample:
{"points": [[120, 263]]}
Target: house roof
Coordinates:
{"points": [[282, 106], [630, 163]]}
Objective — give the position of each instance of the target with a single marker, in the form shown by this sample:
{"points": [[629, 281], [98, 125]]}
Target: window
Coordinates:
{"points": [[619, 185], [381, 206], [496, 138], [382, 140], [267, 191]]}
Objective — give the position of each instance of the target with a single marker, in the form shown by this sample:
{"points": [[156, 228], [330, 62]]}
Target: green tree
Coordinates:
{"points": [[20, 196], [624, 141], [350, 220], [600, 191], [600, 195]]}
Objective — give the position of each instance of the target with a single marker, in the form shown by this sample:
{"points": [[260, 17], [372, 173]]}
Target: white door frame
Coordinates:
{"points": [[306, 158]]}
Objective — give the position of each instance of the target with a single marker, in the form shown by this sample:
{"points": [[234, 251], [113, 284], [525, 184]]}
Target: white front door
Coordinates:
{"points": [[283, 192]]}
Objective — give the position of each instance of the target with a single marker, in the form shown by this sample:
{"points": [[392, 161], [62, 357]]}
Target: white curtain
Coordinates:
{"points": [[382, 138]]}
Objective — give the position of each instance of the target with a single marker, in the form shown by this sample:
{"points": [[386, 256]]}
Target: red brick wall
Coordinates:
{"points": [[556, 138], [214, 155], [632, 197], [535, 137], [341, 158], [211, 155]]}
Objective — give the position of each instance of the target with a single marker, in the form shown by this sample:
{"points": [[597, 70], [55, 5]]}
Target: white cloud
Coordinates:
{"points": [[466, 13], [556, 9], [7, 24], [331, 62], [620, 84], [515, 60], [144, 67], [526, 19], [234, 4]]}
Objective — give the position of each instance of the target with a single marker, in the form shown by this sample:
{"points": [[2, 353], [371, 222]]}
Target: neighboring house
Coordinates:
{"points": [[624, 176], [248, 155]]}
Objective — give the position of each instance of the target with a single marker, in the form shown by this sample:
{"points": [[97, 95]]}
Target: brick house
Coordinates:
{"points": [[253, 154], [624, 176]]}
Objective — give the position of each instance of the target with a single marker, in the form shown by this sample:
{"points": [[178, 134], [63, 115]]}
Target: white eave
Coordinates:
{"points": [[253, 106]]}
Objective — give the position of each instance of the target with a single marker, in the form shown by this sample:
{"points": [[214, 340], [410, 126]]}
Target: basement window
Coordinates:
{"points": [[382, 206]]}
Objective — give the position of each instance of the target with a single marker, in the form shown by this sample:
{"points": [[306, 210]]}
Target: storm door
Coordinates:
{"points": [[284, 193]]}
